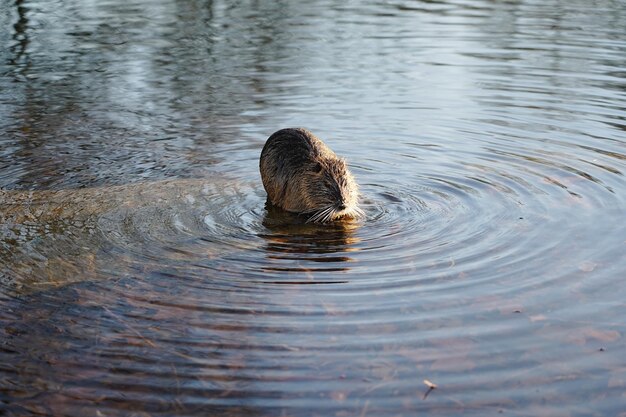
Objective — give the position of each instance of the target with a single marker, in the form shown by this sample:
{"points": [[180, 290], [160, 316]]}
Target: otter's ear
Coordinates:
{"points": [[317, 168]]}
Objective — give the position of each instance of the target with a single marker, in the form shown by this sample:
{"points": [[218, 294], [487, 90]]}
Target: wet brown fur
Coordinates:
{"points": [[303, 175]]}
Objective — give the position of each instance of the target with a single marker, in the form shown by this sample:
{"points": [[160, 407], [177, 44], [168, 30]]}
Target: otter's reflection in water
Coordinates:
{"points": [[292, 245]]}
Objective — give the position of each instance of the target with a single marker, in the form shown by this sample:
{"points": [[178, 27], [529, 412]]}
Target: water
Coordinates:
{"points": [[140, 273]]}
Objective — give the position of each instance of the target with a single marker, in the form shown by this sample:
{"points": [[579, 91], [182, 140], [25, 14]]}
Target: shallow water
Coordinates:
{"points": [[140, 273]]}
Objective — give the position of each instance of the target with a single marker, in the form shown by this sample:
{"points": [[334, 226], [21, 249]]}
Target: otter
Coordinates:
{"points": [[302, 175]]}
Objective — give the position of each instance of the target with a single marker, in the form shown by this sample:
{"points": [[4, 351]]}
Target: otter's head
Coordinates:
{"points": [[331, 190]]}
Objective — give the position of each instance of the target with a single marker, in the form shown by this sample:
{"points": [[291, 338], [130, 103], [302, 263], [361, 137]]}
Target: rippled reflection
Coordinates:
{"points": [[141, 273], [297, 249]]}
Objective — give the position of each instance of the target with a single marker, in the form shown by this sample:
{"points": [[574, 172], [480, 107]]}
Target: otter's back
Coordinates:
{"points": [[285, 155]]}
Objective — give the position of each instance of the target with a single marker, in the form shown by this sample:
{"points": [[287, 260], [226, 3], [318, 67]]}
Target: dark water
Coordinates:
{"points": [[140, 274]]}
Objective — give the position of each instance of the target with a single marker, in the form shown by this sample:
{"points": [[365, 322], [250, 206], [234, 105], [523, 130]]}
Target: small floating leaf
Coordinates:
{"points": [[429, 384]]}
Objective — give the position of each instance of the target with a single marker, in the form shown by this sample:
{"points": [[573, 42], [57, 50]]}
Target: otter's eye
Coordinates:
{"points": [[317, 168]]}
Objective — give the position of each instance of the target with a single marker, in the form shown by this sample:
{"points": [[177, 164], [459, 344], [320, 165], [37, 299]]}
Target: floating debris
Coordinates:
{"points": [[431, 386]]}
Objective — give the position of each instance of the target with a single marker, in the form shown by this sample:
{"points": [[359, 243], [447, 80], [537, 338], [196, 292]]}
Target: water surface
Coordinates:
{"points": [[141, 274]]}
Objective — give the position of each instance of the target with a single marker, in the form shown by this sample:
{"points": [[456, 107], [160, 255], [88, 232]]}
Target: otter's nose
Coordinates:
{"points": [[341, 206]]}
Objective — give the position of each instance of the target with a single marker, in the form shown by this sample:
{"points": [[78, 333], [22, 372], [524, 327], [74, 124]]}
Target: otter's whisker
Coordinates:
{"points": [[324, 215], [315, 219], [319, 214], [357, 212]]}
